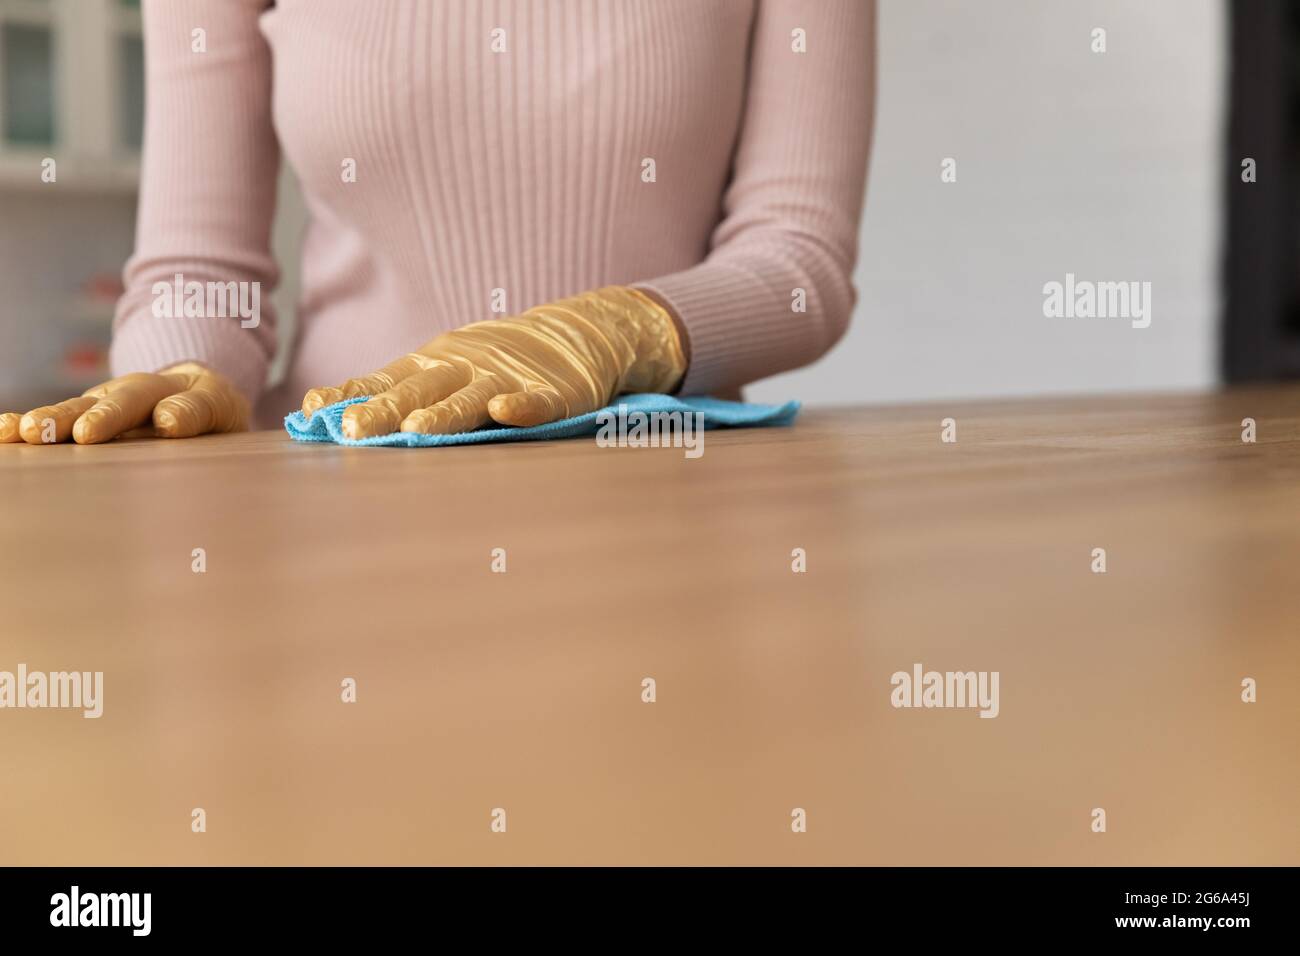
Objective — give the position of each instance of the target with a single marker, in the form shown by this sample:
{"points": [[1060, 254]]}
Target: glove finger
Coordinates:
{"points": [[124, 403], [198, 411], [34, 427], [375, 383], [525, 409], [384, 412], [9, 427], [464, 411]]}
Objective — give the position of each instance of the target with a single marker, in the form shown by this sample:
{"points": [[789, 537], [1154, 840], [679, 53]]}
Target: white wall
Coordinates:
{"points": [[1105, 165]]}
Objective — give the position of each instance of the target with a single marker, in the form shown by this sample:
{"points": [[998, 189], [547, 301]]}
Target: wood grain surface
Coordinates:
{"points": [[523, 690]]}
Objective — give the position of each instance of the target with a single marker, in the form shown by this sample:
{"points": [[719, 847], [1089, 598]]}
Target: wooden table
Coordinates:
{"points": [[523, 690]]}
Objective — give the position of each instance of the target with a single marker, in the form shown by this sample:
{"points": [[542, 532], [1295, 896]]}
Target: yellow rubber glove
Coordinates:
{"points": [[182, 401], [554, 361]]}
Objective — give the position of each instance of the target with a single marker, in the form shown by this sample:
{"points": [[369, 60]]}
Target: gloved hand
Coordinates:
{"points": [[554, 361], [182, 401]]}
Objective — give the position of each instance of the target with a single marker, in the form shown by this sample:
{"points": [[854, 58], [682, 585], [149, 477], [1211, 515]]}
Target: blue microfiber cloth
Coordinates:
{"points": [[326, 424]]}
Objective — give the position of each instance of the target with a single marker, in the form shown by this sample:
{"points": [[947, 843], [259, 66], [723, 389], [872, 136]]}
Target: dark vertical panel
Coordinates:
{"points": [[1261, 261]]}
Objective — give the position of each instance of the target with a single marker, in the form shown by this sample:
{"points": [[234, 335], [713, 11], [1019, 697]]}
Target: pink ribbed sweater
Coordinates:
{"points": [[502, 145]]}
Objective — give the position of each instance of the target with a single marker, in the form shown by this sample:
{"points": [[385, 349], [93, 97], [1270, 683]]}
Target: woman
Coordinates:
{"points": [[673, 186]]}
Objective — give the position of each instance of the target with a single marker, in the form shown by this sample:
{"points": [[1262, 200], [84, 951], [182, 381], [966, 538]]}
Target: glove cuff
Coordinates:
{"points": [[658, 362]]}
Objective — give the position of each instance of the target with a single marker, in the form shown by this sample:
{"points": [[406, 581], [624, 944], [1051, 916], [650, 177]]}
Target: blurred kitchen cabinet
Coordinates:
{"points": [[71, 90]]}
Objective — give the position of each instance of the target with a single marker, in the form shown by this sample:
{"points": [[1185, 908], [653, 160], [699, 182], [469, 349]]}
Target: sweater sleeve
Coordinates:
{"points": [[792, 208], [207, 193]]}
